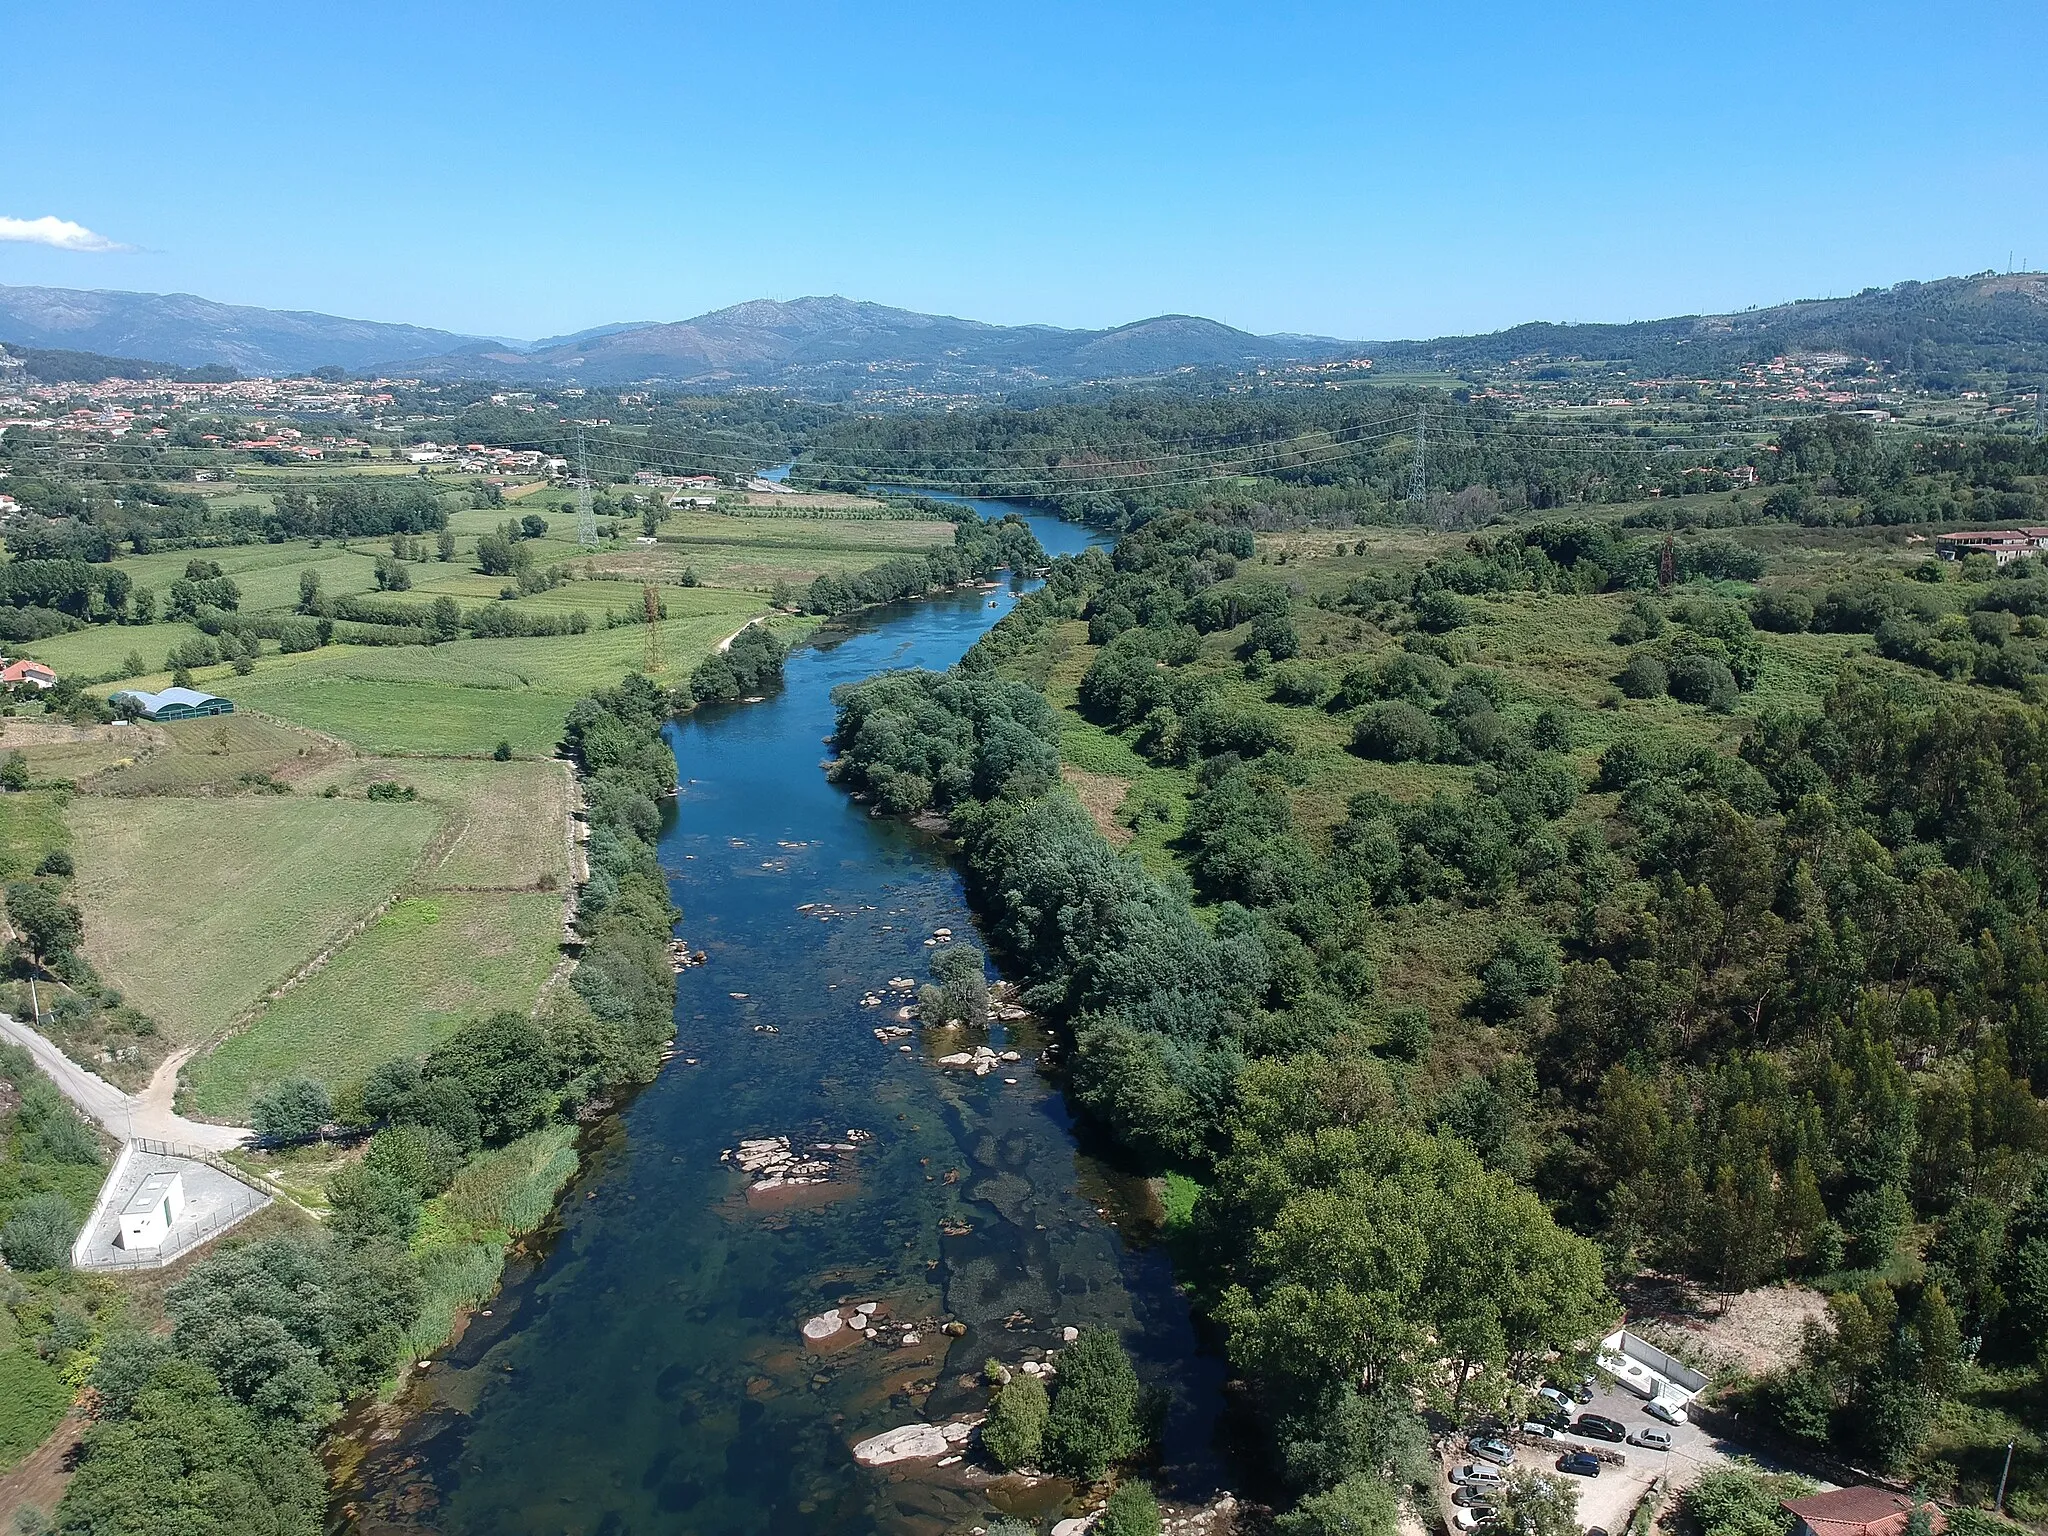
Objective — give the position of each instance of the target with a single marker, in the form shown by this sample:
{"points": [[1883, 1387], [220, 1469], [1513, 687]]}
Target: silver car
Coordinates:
{"points": [[1651, 1439]]}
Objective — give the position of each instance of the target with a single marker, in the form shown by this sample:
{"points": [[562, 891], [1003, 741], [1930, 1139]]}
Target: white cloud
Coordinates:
{"points": [[59, 234]]}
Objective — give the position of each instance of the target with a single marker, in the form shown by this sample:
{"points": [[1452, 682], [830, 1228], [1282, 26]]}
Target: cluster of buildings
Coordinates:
{"points": [[479, 459]]}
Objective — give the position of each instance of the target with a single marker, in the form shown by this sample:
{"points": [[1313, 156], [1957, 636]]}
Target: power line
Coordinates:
{"points": [[1418, 472], [586, 518]]}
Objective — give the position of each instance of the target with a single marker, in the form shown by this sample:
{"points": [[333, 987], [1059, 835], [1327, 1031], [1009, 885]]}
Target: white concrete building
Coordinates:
{"points": [[1667, 1382], [152, 1210]]}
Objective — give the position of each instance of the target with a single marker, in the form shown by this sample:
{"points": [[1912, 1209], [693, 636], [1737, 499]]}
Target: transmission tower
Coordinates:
{"points": [[650, 602], [1418, 472], [586, 519]]}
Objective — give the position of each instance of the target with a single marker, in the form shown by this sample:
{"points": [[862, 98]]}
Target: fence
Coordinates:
{"points": [[93, 1251]]}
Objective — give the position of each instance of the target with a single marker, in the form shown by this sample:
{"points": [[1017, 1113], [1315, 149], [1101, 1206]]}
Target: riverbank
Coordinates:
{"points": [[654, 1340]]}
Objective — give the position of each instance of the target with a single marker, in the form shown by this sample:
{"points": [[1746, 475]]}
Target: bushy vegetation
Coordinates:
{"points": [[980, 548], [213, 1425], [1751, 1003]]}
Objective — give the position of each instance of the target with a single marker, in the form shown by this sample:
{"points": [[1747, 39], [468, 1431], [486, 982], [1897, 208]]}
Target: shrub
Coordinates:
{"points": [[1742, 1503], [1395, 732], [295, 1109], [1298, 683], [1552, 731], [1700, 679], [1094, 1420], [1015, 1431], [1441, 611], [1787, 613], [1358, 1506], [1131, 1511], [421, 1157], [38, 1235], [1644, 677], [370, 1203]]}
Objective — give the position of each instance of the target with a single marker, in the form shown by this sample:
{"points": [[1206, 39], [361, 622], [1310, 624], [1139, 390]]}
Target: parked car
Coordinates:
{"points": [[1557, 1397], [1595, 1427], [1477, 1472], [1584, 1390], [1579, 1464], [1538, 1427], [1663, 1408], [1471, 1519], [1472, 1495], [1653, 1439], [1491, 1448]]}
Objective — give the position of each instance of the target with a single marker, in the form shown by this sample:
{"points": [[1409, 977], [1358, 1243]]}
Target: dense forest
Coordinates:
{"points": [[1291, 459], [1754, 1002]]}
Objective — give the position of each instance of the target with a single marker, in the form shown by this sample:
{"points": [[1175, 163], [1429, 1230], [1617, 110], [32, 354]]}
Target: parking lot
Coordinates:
{"points": [[1609, 1499]]}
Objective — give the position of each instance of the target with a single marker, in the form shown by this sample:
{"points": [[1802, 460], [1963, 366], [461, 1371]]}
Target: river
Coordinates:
{"points": [[645, 1371]]}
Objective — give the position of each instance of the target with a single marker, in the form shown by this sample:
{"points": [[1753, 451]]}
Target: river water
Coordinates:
{"points": [[645, 1372]]}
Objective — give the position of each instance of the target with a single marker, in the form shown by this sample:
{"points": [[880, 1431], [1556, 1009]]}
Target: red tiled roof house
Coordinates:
{"points": [[1865, 1511]]}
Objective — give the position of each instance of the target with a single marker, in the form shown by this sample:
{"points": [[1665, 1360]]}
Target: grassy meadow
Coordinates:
{"points": [[196, 907], [218, 859], [406, 983]]}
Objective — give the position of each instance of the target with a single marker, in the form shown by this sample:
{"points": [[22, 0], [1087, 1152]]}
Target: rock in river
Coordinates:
{"points": [[913, 1442]]}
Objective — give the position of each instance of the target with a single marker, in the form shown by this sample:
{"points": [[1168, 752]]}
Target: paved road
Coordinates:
{"points": [[124, 1115]]}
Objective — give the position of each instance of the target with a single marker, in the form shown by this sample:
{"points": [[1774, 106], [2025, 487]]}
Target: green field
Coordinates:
{"points": [[403, 986], [33, 1398], [31, 825], [186, 757], [202, 895], [196, 908]]}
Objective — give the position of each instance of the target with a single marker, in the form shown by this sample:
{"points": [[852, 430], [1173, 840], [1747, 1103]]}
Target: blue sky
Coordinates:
{"points": [[1357, 170]]}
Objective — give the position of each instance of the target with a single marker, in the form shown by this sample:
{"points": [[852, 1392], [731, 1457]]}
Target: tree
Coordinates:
{"points": [[185, 1458], [1534, 1503], [421, 1157], [309, 591], [51, 926], [38, 1233], [1094, 1422], [1015, 1431], [14, 771], [369, 1203], [1131, 1511], [1358, 1506], [501, 1062], [295, 1110], [257, 1318], [445, 545]]}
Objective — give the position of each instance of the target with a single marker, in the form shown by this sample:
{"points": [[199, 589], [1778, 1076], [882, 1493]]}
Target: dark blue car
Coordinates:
{"points": [[1579, 1464]]}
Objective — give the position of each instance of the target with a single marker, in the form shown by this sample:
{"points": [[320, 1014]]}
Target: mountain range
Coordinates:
{"points": [[837, 345]]}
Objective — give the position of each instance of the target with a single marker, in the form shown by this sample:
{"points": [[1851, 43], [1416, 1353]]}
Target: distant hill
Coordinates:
{"points": [[1936, 332], [814, 342], [1955, 325], [189, 332]]}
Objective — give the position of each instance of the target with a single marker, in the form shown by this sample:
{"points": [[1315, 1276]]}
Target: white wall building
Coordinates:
{"points": [[151, 1211], [1668, 1382]]}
